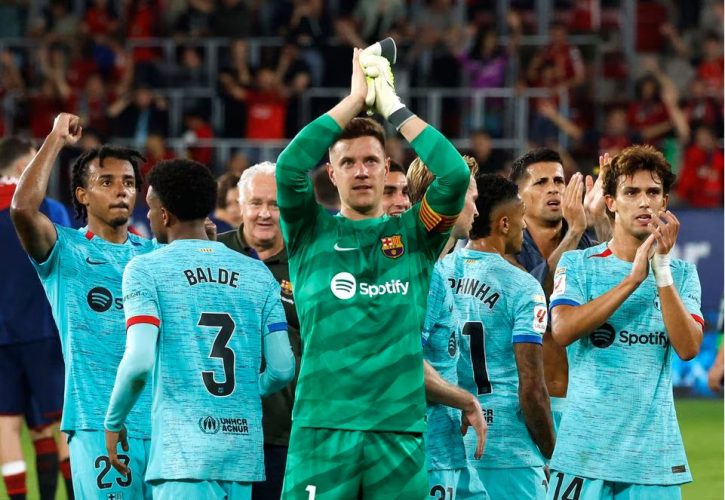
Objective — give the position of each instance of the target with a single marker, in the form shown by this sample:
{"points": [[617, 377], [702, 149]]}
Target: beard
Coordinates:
{"points": [[118, 222]]}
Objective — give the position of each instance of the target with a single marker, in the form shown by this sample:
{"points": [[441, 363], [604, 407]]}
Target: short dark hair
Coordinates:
{"points": [[225, 182], [79, 170], [632, 160], [493, 190], [363, 127], [186, 188], [520, 164], [12, 148], [397, 167]]}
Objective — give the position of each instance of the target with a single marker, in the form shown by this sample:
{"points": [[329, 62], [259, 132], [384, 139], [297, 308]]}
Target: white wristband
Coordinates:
{"points": [[661, 268]]}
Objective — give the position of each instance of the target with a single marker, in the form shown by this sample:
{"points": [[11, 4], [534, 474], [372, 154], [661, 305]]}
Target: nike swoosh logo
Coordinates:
{"points": [[93, 262], [343, 249]]}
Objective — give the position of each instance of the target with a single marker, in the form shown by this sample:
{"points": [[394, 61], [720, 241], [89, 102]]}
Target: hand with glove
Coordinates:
{"points": [[385, 48], [386, 101]]}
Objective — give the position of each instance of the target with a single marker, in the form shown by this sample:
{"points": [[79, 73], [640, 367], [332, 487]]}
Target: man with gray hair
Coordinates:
{"points": [[260, 237]]}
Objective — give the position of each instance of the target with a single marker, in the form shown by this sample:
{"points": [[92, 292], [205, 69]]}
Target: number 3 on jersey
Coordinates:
{"points": [[219, 350], [477, 334]]}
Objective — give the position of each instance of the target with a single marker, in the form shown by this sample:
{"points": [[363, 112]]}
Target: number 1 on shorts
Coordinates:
{"points": [[311, 490]]}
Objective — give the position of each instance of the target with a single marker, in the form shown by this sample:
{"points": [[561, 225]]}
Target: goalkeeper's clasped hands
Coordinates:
{"points": [[375, 62]]}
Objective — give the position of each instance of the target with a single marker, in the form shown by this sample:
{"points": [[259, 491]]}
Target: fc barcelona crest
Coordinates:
{"points": [[392, 246]]}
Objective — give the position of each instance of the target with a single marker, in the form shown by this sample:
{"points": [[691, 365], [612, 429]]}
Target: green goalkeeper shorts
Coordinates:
{"points": [[332, 464]]}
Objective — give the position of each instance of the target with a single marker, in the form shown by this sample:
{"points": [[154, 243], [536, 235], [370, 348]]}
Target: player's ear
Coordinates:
{"points": [[165, 217], [504, 224], [610, 202], [330, 172], [80, 195], [387, 165], [665, 201]]}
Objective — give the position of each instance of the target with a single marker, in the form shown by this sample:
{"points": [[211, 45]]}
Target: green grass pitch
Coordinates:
{"points": [[701, 422]]}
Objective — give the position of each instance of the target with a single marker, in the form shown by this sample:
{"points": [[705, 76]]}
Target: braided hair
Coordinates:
{"points": [[79, 170]]}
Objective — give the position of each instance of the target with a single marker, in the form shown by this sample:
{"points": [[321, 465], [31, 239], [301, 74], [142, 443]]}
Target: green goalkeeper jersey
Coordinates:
{"points": [[361, 289]]}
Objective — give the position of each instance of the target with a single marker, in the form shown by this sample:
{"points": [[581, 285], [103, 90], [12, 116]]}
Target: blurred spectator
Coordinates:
{"points": [[295, 75], [656, 111], [196, 128], [435, 23], [190, 70], [266, 106], [701, 108], [93, 103], [487, 65], [11, 80], [395, 149], [228, 213], [542, 131], [308, 25], [234, 79], [372, 20], [81, 64], [100, 19], [238, 163], [710, 70], [196, 20], [155, 151], [233, 19], [15, 18], [490, 161], [614, 138], [701, 179], [325, 191], [563, 58], [139, 115], [57, 23], [142, 23], [46, 103]]}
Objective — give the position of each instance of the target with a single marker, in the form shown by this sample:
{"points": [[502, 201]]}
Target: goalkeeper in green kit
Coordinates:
{"points": [[361, 284]]}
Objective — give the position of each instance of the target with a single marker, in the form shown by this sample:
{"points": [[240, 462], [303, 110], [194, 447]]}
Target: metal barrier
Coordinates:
{"points": [[517, 110]]}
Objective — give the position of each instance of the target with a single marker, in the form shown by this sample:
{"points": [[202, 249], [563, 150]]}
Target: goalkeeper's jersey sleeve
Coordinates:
{"points": [[361, 291]]}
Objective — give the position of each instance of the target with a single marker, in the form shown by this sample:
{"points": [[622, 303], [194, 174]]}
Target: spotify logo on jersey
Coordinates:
{"points": [[603, 336], [100, 300], [343, 286]]}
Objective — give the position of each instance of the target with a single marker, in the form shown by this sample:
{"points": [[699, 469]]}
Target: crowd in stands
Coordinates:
{"points": [[105, 61]]}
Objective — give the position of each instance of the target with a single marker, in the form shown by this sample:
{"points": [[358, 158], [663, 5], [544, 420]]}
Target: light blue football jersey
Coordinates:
{"points": [[214, 306], [82, 279], [620, 422], [498, 306], [443, 440]]}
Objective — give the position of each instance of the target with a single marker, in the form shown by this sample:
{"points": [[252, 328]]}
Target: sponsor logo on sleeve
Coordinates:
{"points": [[559, 283], [540, 318]]}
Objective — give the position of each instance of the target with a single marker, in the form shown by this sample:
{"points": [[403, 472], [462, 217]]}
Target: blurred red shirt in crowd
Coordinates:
{"points": [[701, 179]]}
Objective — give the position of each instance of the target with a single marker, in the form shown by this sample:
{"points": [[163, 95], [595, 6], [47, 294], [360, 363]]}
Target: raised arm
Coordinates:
{"points": [[575, 216], [36, 232], [571, 321], [295, 193], [444, 198], [533, 396], [684, 331]]}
